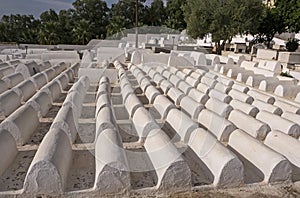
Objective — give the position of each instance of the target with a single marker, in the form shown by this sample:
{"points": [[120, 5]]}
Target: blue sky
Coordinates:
{"points": [[35, 7]]}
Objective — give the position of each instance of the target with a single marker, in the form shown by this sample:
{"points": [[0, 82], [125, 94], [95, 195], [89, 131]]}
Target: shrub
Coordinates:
{"points": [[292, 45], [286, 74]]}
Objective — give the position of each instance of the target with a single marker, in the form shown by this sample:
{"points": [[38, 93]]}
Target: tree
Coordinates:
{"points": [[122, 16], [3, 32], [80, 32], [292, 45], [19, 28], [175, 18], [66, 26], [247, 15], [156, 14], [289, 12], [50, 30], [96, 13], [116, 27], [223, 18], [270, 24]]}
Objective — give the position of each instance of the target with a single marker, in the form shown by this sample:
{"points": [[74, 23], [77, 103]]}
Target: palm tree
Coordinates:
{"points": [[80, 32], [48, 34]]}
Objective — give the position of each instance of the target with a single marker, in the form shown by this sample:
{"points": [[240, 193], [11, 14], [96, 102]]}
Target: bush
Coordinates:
{"points": [[292, 45], [286, 74]]}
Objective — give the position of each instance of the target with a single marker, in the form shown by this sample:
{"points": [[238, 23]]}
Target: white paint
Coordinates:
{"points": [[167, 74], [255, 80], [66, 121], [176, 95], [198, 96], [151, 93], [266, 54], [239, 74], [219, 107], [105, 120], [181, 123], [185, 87], [267, 107], [27, 89], [13, 79], [41, 102], [278, 141], [240, 87], [204, 88], [111, 176], [279, 123], [145, 84], [218, 125], [208, 81], [235, 94], [21, 124], [287, 91], [248, 65], [158, 79], [291, 116], [63, 80], [219, 96], [250, 125], [226, 81], [261, 96], [227, 169], [163, 105], [7, 144], [143, 123], [54, 88], [102, 101], [167, 162], [244, 107], [192, 107], [192, 81], [40, 80], [50, 73], [9, 102], [3, 86], [132, 103], [196, 75], [222, 88], [275, 167], [49, 168], [182, 75], [165, 86]]}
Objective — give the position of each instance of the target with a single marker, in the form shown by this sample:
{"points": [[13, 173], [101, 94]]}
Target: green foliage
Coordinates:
{"points": [[174, 15], [19, 28], [224, 19], [50, 28], [292, 45], [286, 74], [89, 19], [156, 14], [122, 16], [94, 12], [289, 12], [67, 24], [270, 24], [81, 33]]}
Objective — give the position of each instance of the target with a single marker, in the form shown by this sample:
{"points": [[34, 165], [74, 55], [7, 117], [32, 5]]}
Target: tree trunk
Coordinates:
{"points": [[269, 39], [219, 47]]}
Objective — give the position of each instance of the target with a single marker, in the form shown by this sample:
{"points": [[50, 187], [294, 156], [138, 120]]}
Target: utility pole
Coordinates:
{"points": [[136, 24]]}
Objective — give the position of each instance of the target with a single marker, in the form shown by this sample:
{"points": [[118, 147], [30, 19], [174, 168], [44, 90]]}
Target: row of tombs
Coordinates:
{"points": [[157, 128]]}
